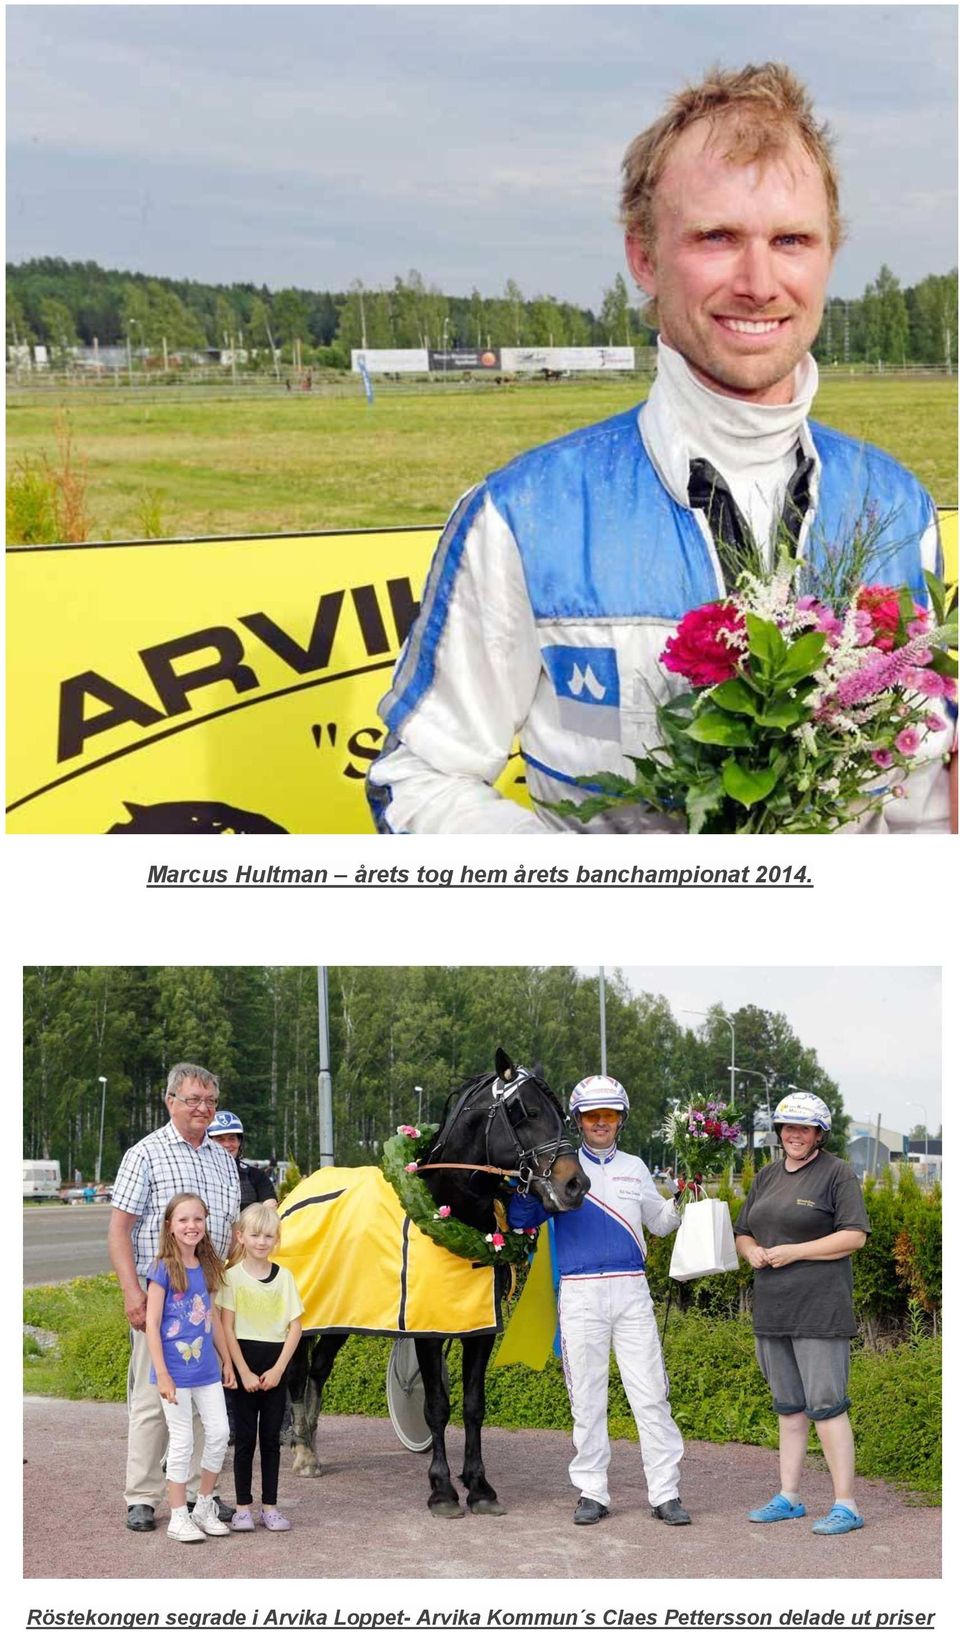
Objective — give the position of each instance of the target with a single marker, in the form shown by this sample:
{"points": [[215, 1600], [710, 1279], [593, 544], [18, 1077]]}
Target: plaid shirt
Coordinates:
{"points": [[161, 1165]]}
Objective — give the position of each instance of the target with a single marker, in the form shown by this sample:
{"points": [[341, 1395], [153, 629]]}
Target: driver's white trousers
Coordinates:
{"points": [[597, 1312]]}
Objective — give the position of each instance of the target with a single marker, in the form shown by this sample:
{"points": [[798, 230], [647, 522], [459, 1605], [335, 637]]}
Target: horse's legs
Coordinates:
{"points": [[481, 1497], [309, 1369], [443, 1502]]}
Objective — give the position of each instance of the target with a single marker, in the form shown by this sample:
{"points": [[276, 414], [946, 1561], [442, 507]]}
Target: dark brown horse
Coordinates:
{"points": [[499, 1131]]}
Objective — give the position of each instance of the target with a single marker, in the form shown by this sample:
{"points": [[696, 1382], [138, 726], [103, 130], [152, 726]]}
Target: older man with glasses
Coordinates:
{"points": [[178, 1156]]}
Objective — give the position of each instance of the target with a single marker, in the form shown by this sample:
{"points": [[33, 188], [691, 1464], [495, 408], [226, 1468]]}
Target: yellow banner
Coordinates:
{"points": [[208, 686]]}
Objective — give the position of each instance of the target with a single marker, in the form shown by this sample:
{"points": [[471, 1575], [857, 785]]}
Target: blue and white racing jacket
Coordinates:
{"points": [[552, 592], [604, 1236]]}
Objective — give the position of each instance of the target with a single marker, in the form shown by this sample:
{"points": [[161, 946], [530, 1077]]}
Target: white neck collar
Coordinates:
{"points": [[683, 419]]}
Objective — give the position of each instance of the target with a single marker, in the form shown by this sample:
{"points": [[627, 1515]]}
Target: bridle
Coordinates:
{"points": [[508, 1112]]}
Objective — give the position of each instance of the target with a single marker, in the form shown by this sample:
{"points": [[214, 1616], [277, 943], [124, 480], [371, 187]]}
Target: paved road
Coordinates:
{"points": [[61, 1242], [366, 1518]]}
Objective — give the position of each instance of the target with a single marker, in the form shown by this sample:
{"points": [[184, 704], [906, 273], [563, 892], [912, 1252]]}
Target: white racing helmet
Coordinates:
{"points": [[804, 1110], [599, 1094]]}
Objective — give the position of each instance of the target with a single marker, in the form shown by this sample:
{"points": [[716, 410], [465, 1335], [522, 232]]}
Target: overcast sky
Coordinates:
{"points": [[313, 145], [876, 1031]]}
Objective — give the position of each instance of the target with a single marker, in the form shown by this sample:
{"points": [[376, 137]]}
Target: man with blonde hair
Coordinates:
{"points": [[558, 580]]}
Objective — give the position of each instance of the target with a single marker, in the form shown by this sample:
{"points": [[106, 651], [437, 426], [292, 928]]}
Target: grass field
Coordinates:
{"points": [[299, 463]]}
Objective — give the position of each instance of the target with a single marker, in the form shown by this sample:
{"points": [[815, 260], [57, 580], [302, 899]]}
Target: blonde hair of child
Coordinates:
{"points": [[257, 1219], [168, 1253]]}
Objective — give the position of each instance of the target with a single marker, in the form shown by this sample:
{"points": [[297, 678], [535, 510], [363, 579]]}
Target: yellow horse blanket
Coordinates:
{"points": [[361, 1265]]}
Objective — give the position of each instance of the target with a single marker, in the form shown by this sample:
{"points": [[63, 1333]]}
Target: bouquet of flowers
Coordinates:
{"points": [[702, 1137], [810, 694]]}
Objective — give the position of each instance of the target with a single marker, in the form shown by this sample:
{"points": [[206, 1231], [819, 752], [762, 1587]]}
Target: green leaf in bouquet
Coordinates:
{"points": [[782, 713], [728, 730], [765, 641], [606, 782], [736, 697], [803, 658], [702, 800], [906, 608], [938, 595], [747, 787]]}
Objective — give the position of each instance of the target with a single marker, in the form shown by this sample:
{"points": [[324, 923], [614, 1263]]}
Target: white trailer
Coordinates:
{"points": [[41, 1181]]}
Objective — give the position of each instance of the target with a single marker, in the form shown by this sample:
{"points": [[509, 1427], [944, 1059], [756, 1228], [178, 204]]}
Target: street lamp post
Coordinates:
{"points": [[419, 1093], [603, 1023], [766, 1078], [103, 1105], [732, 1068]]}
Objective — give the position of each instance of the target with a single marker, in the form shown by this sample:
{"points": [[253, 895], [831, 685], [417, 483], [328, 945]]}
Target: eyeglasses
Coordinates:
{"points": [[193, 1102]]}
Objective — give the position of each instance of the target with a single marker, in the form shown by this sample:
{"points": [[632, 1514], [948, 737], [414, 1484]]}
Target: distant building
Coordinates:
{"points": [[926, 1156], [866, 1154]]}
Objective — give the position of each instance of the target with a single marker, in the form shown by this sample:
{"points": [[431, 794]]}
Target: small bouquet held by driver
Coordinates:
{"points": [[704, 1142]]}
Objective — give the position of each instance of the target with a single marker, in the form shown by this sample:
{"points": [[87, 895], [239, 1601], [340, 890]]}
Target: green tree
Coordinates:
{"points": [[615, 313]]}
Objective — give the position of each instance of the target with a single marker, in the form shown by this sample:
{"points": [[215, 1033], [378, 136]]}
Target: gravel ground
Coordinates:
{"points": [[366, 1517]]}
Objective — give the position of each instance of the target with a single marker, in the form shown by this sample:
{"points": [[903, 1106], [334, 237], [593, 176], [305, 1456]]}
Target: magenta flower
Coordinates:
{"points": [[949, 687], [408, 1131], [882, 757], [908, 741], [918, 626], [443, 1212], [933, 722], [927, 681], [411, 1167]]}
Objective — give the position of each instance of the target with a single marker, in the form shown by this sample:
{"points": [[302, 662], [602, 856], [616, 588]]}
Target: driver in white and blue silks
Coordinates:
{"points": [[605, 1301]]}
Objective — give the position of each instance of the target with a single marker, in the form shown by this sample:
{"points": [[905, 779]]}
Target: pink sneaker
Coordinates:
{"points": [[273, 1519]]}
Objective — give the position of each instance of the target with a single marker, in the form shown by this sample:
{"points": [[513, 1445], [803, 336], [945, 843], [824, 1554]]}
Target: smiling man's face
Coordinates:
{"points": [[739, 264]]}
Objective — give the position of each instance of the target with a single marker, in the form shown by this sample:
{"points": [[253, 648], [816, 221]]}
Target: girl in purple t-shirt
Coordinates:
{"points": [[187, 1349]]}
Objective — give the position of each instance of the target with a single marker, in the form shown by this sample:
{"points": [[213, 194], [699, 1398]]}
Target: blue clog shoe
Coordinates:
{"points": [[776, 1509], [838, 1521]]}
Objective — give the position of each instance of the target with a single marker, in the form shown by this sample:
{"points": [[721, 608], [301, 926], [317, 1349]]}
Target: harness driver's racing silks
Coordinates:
{"points": [[552, 592], [604, 1301]]}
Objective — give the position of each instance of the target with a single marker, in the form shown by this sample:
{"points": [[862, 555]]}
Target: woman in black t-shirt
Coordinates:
{"points": [[799, 1227]]}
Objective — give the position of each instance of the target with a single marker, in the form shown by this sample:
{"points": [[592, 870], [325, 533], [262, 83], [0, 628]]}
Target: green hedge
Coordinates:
{"points": [[716, 1393], [716, 1389]]}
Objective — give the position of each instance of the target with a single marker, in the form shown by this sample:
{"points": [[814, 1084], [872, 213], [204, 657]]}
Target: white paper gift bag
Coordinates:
{"points": [[704, 1243]]}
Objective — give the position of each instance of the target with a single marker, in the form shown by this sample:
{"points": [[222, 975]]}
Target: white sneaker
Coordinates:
{"points": [[182, 1527], [205, 1517]]}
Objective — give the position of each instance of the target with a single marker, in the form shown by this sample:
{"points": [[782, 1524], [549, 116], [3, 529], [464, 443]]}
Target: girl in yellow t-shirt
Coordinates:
{"points": [[261, 1309]]}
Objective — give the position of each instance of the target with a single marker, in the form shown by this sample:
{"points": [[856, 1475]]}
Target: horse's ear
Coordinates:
{"points": [[503, 1065]]}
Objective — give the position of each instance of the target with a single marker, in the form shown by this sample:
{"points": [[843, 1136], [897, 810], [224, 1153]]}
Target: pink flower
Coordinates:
{"points": [[883, 604], [882, 757], [408, 1132], [443, 1212], [908, 740], [927, 681], [698, 650], [917, 626], [933, 722], [411, 1167], [829, 624], [497, 1240], [949, 687], [899, 793]]}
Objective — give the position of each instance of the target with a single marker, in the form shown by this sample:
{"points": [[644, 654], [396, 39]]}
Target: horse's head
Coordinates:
{"points": [[511, 1122]]}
